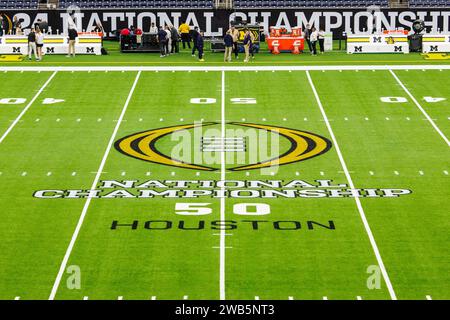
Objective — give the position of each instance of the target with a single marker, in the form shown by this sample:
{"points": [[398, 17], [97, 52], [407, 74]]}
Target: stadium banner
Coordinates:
{"points": [[216, 22]]}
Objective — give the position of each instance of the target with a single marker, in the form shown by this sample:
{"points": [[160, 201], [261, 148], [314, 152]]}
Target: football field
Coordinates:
{"points": [[167, 183]]}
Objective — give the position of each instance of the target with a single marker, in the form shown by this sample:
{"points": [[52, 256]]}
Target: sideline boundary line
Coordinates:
{"points": [[421, 108], [88, 200], [228, 68], [352, 187], [28, 106]]}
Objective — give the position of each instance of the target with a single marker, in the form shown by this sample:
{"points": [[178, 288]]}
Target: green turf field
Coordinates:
{"points": [[269, 183]]}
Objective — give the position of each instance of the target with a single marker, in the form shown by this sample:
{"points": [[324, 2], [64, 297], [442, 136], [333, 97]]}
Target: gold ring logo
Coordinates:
{"points": [[303, 146]]}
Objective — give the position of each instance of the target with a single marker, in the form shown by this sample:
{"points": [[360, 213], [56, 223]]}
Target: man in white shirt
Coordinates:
{"points": [[313, 38], [169, 40], [153, 29]]}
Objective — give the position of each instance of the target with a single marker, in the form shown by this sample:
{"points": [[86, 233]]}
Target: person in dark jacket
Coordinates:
{"points": [[228, 41], [194, 35], [248, 44], [307, 35], [200, 44], [162, 39], [175, 39]]}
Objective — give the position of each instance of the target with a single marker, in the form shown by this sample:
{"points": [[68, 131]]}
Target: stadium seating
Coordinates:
{"points": [[21, 4], [308, 4], [209, 4], [204, 4], [428, 3]]}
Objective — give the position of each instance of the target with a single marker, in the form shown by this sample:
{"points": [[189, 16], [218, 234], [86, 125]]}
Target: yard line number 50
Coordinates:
{"points": [[201, 209]]}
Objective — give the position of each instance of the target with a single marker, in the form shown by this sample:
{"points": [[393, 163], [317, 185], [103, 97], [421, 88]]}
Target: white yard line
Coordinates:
{"points": [[88, 200], [226, 68], [352, 186], [421, 109], [222, 200], [19, 117]]}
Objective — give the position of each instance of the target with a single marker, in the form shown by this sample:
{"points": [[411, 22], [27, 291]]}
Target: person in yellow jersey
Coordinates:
{"points": [[185, 37]]}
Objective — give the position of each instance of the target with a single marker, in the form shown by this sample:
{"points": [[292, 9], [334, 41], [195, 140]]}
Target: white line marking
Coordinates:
{"points": [[222, 200], [352, 186], [421, 173], [17, 298], [74, 174], [325, 298], [119, 298], [224, 68], [290, 298], [446, 172], [88, 201], [429, 297], [358, 298], [153, 298], [256, 297], [421, 109], [85, 298], [24, 174], [185, 297], [19, 117]]}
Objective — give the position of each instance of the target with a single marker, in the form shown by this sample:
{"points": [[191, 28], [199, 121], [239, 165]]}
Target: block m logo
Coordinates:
{"points": [[434, 48], [89, 50], [398, 49], [377, 39], [50, 50], [16, 50], [358, 49]]}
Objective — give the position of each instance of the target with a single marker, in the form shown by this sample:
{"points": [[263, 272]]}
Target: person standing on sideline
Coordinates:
{"points": [[174, 32], [307, 35], [185, 37], [247, 45], [14, 26], [1, 26], [321, 38], [153, 29], [195, 35], [313, 38], [32, 44], [200, 44], [169, 40], [235, 34], [228, 41], [73, 35], [162, 39], [39, 43]]}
